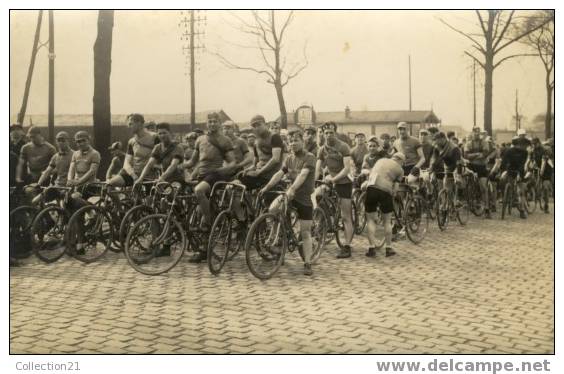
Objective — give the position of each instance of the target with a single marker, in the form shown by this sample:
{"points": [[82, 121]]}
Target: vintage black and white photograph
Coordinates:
{"points": [[282, 182]]}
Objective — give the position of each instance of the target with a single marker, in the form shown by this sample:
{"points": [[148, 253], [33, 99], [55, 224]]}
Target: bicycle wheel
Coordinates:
{"points": [[360, 221], [318, 232], [220, 242], [416, 219], [443, 209], [48, 233], [89, 233], [21, 243], [461, 207], [340, 235], [507, 200], [132, 216], [155, 244], [265, 245], [475, 198], [530, 198]]}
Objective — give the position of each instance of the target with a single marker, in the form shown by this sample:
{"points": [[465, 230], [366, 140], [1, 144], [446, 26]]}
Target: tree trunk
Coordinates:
{"points": [[281, 105], [548, 116], [101, 101], [488, 95]]}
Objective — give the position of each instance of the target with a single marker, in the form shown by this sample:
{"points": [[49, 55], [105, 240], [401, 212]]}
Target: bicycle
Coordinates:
{"points": [[473, 192], [157, 242], [512, 195], [411, 211], [49, 226], [271, 235], [20, 220], [329, 202], [452, 203], [358, 212]]}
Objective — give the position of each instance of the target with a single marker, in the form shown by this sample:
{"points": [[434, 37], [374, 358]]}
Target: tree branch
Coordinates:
{"points": [[475, 59], [259, 22], [232, 65], [481, 22], [521, 36], [464, 34], [512, 56], [288, 20], [505, 27], [295, 73]]}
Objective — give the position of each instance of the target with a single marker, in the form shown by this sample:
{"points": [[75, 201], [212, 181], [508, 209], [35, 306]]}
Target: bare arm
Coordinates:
{"points": [[127, 164], [346, 169], [92, 172], [170, 170], [20, 169], [274, 180], [421, 157], [150, 164], [229, 162], [110, 168], [318, 168], [300, 179], [45, 175]]}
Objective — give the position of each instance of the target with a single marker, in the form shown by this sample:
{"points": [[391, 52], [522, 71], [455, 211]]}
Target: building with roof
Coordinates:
{"points": [[368, 122]]}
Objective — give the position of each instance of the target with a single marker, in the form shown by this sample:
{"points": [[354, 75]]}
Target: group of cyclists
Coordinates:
{"points": [[312, 162]]}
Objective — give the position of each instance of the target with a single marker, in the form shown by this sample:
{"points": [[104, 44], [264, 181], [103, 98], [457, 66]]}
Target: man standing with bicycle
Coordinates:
{"points": [[379, 194], [298, 167], [410, 146], [476, 150], [336, 155]]}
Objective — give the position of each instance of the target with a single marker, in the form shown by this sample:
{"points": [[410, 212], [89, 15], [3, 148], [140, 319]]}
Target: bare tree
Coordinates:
{"points": [[542, 42], [268, 39], [102, 116], [493, 36]]}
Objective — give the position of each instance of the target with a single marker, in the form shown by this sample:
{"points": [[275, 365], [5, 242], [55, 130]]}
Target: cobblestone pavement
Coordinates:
{"points": [[484, 288]]}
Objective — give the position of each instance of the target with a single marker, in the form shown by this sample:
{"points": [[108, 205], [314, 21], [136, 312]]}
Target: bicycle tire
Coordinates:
{"points": [[530, 199], [156, 225], [443, 209], [101, 224], [55, 251], [267, 255], [132, 216], [416, 219], [463, 210], [219, 242], [507, 200]]}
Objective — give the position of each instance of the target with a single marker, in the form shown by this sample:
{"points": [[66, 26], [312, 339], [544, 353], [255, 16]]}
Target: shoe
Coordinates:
{"points": [[307, 269], [546, 208], [487, 215], [523, 214], [198, 257], [80, 249], [345, 252], [390, 252], [371, 252]]}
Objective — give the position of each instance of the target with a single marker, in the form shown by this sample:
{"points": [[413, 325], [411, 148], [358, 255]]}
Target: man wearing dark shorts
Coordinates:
{"points": [[336, 156], [476, 150], [298, 167], [214, 156], [379, 194]]}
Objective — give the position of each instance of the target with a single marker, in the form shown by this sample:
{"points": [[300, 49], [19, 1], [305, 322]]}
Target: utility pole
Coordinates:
{"points": [[474, 79], [51, 112], [517, 116], [34, 50], [191, 32]]}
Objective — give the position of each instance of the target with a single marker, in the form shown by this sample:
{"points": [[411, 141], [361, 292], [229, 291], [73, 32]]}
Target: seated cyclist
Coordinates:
{"points": [[83, 168], [299, 167], [213, 154]]}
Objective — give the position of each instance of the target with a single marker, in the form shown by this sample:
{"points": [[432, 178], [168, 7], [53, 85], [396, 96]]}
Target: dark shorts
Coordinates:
{"points": [[548, 172], [87, 191], [344, 191], [52, 193], [253, 183], [481, 170], [377, 198], [126, 178], [304, 212], [212, 178]]}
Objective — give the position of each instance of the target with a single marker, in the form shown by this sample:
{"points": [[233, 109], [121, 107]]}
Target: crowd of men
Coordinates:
{"points": [[260, 159]]}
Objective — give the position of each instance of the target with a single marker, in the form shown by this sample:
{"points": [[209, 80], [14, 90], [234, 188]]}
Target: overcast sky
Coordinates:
{"points": [[356, 58]]}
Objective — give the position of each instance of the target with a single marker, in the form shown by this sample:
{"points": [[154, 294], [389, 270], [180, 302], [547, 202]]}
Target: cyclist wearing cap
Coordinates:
{"points": [[190, 146], [379, 194], [387, 144], [139, 149], [514, 164], [34, 157], [374, 154], [59, 166], [214, 157], [309, 140], [427, 147], [117, 160], [243, 158], [358, 152], [476, 150], [83, 168], [269, 148], [168, 154], [298, 167], [448, 157], [336, 155], [410, 146]]}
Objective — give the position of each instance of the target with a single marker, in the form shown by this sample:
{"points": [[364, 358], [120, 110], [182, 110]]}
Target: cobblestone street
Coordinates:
{"points": [[487, 287]]}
